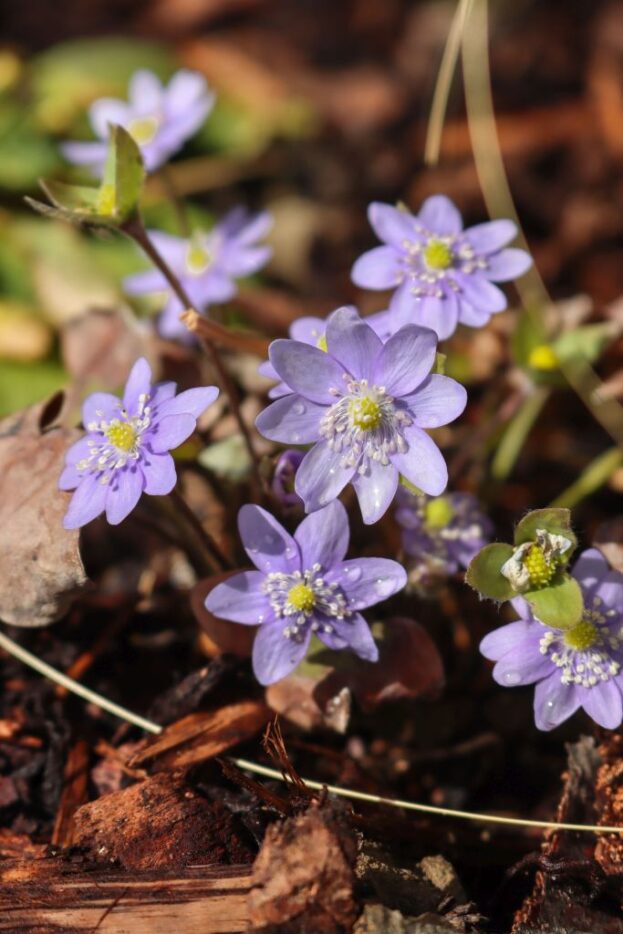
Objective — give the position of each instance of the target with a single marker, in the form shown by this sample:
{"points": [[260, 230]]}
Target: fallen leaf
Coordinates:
{"points": [[102, 345], [42, 570]]}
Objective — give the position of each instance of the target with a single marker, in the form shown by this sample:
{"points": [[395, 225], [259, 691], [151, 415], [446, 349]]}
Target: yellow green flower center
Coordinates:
{"points": [[365, 413], [438, 513], [143, 129], [321, 343], [122, 435], [543, 357], [302, 598], [106, 200], [581, 637], [539, 568], [437, 255], [197, 258]]}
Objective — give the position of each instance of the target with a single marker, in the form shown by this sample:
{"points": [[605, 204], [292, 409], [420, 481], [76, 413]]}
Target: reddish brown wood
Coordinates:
{"points": [[48, 896]]}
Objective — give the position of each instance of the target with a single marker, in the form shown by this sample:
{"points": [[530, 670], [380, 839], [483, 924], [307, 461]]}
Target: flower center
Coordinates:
{"points": [[321, 343], [588, 653], [302, 597], [198, 258], [365, 413], [543, 357], [437, 255], [364, 424], [581, 636], [121, 434], [143, 129], [117, 441], [438, 512], [540, 569]]}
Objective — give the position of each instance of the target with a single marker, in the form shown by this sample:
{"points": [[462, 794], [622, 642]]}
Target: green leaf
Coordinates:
{"points": [[124, 175], [560, 605], [586, 343], [484, 575], [113, 202], [555, 520]]}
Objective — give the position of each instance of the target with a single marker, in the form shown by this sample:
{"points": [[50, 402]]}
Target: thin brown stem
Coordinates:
{"points": [[135, 229], [182, 507]]}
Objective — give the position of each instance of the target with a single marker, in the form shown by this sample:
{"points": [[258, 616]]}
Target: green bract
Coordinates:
{"points": [[534, 567], [109, 204]]}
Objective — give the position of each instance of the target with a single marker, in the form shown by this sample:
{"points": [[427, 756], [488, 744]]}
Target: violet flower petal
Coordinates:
{"points": [[307, 370], [88, 502], [321, 478], [367, 581], [439, 215], [375, 490], [323, 536], [406, 359], [423, 464], [159, 473], [241, 599], [291, 420], [274, 656], [170, 432], [377, 269], [438, 401], [270, 547], [554, 702]]}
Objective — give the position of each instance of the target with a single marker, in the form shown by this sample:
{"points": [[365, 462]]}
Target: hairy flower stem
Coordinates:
{"points": [[135, 230], [183, 510]]}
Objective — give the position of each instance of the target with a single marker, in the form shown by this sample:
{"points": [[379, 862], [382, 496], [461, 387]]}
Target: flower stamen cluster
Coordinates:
{"points": [[121, 440], [296, 597], [365, 424], [583, 653]]}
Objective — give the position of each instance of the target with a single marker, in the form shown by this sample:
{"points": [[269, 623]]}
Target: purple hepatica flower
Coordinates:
{"points": [[577, 667], [207, 265], [363, 405], [445, 531], [283, 478], [303, 586], [443, 275], [125, 450], [311, 330], [160, 119]]}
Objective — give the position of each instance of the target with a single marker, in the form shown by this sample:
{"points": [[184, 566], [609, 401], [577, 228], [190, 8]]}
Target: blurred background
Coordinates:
{"points": [[322, 107]]}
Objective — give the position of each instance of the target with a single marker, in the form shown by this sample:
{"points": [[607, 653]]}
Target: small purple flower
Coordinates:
{"points": [[576, 667], [125, 450], [363, 405], [160, 119], [283, 478], [444, 531], [443, 275], [303, 586], [207, 265], [311, 330]]}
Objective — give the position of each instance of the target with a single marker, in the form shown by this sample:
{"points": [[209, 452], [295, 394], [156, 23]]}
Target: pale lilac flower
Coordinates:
{"points": [[443, 275], [283, 477], [159, 119], [363, 405], [303, 587], [444, 532], [125, 450], [572, 668], [207, 265], [311, 330]]}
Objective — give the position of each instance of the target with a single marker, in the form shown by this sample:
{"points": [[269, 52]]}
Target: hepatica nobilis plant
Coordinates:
{"points": [[358, 402], [365, 406], [303, 586]]}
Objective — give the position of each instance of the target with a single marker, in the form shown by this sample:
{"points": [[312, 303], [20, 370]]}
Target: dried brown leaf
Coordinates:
{"points": [[41, 565]]}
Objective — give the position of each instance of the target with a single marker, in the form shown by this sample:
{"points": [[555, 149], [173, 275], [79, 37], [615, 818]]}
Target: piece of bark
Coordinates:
{"points": [[568, 880], [54, 895], [42, 570], [609, 804], [303, 876], [75, 793], [202, 735], [378, 919], [161, 823]]}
